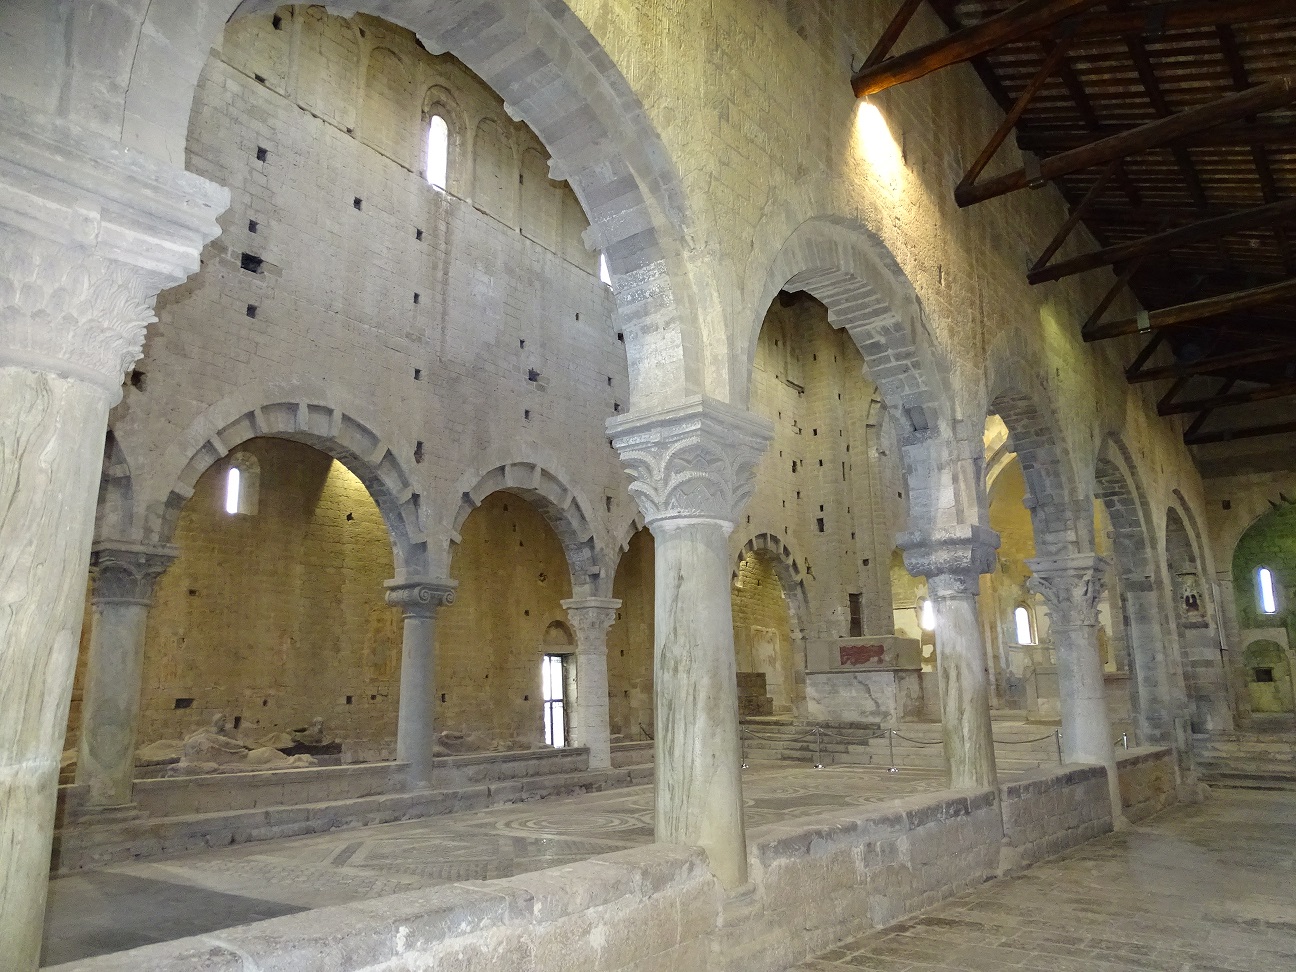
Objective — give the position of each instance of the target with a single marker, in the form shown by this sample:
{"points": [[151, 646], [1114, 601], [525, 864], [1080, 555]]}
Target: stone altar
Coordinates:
{"points": [[875, 678]]}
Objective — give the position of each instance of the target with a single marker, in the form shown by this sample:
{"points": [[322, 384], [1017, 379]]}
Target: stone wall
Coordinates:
{"points": [[762, 631], [1149, 781], [814, 882], [630, 642]]}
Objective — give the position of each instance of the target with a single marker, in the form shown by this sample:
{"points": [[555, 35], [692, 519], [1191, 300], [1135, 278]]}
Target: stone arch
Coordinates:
{"points": [[1061, 522], [323, 425], [114, 513], [1156, 699], [788, 571], [1205, 681], [562, 509], [847, 268], [553, 75]]}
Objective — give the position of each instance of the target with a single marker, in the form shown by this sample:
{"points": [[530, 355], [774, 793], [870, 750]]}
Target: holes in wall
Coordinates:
{"points": [[418, 451], [252, 311], [418, 374], [819, 524], [276, 22], [259, 78], [607, 502], [621, 336], [357, 202], [609, 378], [1227, 504], [262, 154], [253, 225], [533, 375], [250, 262], [526, 414], [416, 297], [443, 696], [137, 380], [184, 703], [616, 407], [349, 699], [521, 342]]}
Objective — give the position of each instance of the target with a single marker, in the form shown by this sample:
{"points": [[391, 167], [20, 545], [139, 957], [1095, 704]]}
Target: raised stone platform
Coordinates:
{"points": [[815, 880], [176, 815]]}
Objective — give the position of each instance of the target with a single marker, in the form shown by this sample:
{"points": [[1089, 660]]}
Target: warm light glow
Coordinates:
{"points": [[877, 144], [232, 490], [927, 616], [604, 273], [1025, 636], [438, 151], [1265, 585]]}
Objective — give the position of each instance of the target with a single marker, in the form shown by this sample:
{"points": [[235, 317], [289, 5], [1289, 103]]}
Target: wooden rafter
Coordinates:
{"points": [[1026, 18], [1208, 365], [1193, 437], [1262, 132], [1275, 94], [1264, 393], [1197, 310], [1208, 229]]}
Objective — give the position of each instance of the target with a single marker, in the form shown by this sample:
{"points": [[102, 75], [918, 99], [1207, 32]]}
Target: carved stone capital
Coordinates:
{"points": [[1071, 587], [126, 573], [420, 597], [696, 461], [590, 619], [951, 558], [90, 233]]}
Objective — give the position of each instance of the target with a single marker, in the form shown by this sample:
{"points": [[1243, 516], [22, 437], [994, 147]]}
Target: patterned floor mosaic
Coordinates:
{"points": [[130, 905]]}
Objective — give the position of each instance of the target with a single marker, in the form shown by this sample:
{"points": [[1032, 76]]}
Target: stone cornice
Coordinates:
{"points": [[696, 460], [420, 597], [951, 558], [126, 573]]}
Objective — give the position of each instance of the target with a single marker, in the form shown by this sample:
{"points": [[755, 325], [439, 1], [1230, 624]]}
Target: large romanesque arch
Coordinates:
{"points": [[553, 75]]}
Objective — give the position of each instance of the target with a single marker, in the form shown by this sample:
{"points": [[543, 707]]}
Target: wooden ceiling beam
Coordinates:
{"points": [[1161, 19], [1277, 134], [1022, 20], [1206, 366], [892, 33], [1193, 437], [1268, 393], [1207, 229], [1195, 311], [1275, 94]]}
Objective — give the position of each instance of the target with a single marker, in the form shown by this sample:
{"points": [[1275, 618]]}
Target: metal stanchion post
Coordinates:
{"points": [[891, 750], [1125, 740], [1057, 738], [745, 764], [818, 734]]}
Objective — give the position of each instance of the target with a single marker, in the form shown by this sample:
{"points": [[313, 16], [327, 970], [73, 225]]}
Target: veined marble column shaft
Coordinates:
{"points": [[693, 469], [953, 560], [1071, 587], [416, 717], [590, 619], [124, 578], [89, 234]]}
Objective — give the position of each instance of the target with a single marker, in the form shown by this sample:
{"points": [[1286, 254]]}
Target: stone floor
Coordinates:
{"points": [[1205, 888], [94, 913]]}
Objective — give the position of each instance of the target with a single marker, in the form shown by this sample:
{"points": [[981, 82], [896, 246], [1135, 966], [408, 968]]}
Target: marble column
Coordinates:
{"points": [[89, 234], [693, 470], [590, 619], [953, 560], [1071, 587], [416, 721], [124, 578]]}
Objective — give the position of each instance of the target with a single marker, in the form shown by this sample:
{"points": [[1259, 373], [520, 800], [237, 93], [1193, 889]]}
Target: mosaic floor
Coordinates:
{"points": [[130, 905], [1207, 888]]}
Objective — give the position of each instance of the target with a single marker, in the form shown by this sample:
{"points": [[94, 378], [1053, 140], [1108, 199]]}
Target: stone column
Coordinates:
{"points": [[418, 600], [1071, 587], [124, 578], [693, 470], [953, 560], [89, 234], [590, 618]]}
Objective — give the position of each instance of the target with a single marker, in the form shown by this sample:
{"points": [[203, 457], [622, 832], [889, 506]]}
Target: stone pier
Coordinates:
{"points": [[590, 619]]}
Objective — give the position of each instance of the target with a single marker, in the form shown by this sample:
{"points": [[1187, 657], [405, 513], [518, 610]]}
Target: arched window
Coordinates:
{"points": [[927, 616], [604, 273], [242, 484], [1025, 625], [438, 151], [1265, 592]]}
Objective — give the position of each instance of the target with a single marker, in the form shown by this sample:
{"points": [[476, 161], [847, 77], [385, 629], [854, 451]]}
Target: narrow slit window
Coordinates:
{"points": [[927, 616], [232, 484], [553, 677], [1265, 588], [438, 151], [1025, 625], [605, 274]]}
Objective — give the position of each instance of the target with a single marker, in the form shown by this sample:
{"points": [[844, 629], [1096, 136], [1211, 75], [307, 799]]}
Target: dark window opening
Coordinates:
{"points": [[183, 703], [250, 263], [1264, 675], [856, 615]]}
